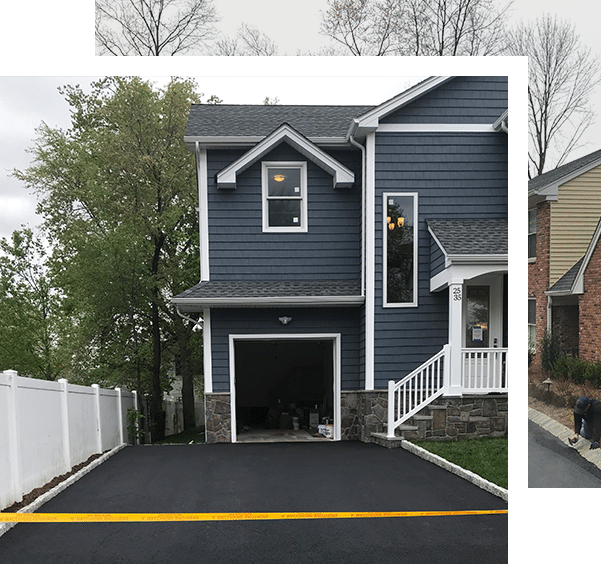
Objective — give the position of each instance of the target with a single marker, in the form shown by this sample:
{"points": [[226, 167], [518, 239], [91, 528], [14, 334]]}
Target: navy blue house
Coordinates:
{"points": [[354, 265]]}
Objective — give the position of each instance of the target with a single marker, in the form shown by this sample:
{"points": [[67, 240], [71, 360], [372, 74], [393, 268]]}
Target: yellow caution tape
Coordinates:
{"points": [[163, 517]]}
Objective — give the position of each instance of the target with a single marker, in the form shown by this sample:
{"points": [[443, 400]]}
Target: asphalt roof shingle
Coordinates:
{"points": [[221, 120], [272, 289], [547, 178], [565, 283], [471, 236]]}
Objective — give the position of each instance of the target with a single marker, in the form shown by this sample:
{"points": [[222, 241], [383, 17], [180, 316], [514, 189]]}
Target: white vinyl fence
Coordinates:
{"points": [[46, 428], [174, 415]]}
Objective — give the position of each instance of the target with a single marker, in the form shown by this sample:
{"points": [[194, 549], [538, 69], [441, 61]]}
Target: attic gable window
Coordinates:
{"points": [[284, 196]]}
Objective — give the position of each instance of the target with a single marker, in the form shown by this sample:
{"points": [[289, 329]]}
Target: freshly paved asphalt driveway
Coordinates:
{"points": [[344, 476], [553, 464]]}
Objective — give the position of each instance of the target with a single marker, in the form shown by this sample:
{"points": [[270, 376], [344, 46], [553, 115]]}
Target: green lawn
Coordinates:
{"points": [[196, 436], [486, 457]]}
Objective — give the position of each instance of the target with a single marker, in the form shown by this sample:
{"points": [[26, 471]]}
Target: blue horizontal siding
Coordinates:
{"points": [[466, 99], [437, 259], [345, 321], [471, 184], [239, 250]]}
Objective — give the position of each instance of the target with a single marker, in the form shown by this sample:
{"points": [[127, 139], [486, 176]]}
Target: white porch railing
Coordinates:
{"points": [[416, 390], [484, 370]]}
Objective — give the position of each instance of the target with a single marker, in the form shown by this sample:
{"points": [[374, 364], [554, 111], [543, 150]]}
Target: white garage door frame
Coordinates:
{"points": [[337, 367]]}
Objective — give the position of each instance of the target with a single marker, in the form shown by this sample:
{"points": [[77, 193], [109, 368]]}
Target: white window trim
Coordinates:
{"points": [[535, 232], [302, 165], [532, 344], [385, 197]]}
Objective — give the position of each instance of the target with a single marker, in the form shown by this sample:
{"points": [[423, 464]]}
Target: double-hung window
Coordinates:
{"points": [[532, 324], [400, 249], [284, 196], [532, 234]]}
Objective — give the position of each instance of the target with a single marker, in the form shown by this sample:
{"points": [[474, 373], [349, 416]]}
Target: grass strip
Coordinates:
{"points": [[487, 456]]}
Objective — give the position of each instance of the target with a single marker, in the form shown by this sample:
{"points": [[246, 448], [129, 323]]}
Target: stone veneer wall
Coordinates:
{"points": [[447, 418], [364, 413], [218, 418]]}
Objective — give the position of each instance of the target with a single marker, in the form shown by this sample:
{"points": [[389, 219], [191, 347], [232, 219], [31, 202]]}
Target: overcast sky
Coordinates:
{"points": [[26, 102]]}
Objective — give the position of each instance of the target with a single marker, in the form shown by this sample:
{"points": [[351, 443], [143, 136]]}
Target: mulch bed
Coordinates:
{"points": [[37, 492]]}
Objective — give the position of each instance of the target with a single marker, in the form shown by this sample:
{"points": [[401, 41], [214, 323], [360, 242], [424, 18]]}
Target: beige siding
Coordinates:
{"points": [[574, 218]]}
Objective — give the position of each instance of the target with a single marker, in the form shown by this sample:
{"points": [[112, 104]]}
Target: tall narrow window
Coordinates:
{"points": [[532, 324], [532, 233], [400, 249], [284, 196]]}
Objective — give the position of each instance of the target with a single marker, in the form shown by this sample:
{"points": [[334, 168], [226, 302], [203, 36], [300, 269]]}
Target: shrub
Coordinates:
{"points": [[549, 350], [593, 373], [577, 370]]}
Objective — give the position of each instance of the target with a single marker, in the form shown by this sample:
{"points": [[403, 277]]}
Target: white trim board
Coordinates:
{"points": [[435, 128]]}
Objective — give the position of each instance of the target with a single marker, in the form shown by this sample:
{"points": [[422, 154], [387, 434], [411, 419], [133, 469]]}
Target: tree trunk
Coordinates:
{"points": [[158, 414]]}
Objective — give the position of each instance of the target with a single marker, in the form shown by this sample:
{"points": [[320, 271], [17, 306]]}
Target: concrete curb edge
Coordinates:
{"points": [[563, 433], [457, 470], [35, 505]]}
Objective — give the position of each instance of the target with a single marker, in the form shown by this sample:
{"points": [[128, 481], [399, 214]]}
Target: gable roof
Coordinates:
{"points": [[343, 177], [214, 123], [565, 284], [572, 282], [546, 185], [369, 120], [469, 237]]}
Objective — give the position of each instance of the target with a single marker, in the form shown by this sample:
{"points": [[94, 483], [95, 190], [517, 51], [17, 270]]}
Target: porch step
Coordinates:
{"points": [[382, 440]]}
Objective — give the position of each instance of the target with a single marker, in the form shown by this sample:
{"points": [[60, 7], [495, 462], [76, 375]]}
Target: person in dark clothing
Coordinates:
{"points": [[587, 421]]}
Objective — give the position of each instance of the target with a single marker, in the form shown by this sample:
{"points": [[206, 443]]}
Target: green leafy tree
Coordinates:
{"points": [[29, 309], [117, 196]]}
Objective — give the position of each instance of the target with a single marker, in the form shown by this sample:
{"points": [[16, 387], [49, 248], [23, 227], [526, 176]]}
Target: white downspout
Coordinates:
{"points": [[363, 163]]}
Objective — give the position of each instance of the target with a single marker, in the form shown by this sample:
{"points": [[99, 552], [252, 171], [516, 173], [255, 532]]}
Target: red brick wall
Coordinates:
{"points": [[538, 271], [566, 327], [590, 310]]}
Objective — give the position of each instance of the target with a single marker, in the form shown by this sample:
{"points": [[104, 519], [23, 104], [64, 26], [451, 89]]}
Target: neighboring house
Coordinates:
{"points": [[342, 247], [564, 207]]}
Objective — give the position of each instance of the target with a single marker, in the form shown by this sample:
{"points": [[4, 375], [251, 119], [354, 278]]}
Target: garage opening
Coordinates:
{"points": [[284, 390]]}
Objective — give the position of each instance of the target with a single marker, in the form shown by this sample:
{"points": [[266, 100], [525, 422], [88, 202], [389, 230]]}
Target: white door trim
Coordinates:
{"points": [[337, 367]]}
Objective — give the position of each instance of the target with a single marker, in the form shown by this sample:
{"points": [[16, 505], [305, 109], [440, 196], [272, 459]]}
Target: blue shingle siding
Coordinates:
{"points": [[458, 175], [437, 259], [470, 99], [239, 250], [345, 321]]}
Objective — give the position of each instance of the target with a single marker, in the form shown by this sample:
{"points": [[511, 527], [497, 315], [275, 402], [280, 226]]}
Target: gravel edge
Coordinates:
{"points": [[35, 505]]}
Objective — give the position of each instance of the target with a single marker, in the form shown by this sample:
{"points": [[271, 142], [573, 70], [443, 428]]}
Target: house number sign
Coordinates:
{"points": [[457, 294]]}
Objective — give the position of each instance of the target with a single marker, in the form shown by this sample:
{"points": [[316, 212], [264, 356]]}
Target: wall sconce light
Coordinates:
{"points": [[284, 320]]}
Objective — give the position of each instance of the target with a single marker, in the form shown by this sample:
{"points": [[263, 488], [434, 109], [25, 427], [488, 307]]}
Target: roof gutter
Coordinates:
{"points": [[190, 305]]}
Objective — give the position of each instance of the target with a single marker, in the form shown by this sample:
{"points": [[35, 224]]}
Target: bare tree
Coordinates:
{"points": [[452, 27], [363, 27], [416, 27], [249, 41], [562, 76], [153, 27]]}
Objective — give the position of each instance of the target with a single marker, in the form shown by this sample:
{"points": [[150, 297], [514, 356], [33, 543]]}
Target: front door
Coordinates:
{"points": [[483, 366]]}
